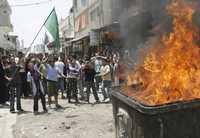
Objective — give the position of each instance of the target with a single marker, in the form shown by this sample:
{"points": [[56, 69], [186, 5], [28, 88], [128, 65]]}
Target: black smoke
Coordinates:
{"points": [[142, 20]]}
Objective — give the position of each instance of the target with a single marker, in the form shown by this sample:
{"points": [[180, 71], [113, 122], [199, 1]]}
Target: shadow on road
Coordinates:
{"points": [[24, 112], [72, 116]]}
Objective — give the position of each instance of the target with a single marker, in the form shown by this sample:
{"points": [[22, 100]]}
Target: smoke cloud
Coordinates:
{"points": [[142, 21]]}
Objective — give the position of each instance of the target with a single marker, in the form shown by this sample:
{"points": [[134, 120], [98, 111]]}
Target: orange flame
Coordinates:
{"points": [[171, 70]]}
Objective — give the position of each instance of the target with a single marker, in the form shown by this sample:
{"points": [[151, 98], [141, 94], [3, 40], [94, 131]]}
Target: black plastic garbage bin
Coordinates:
{"points": [[136, 120]]}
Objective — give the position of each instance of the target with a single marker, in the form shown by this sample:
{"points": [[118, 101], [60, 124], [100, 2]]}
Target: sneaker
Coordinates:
{"points": [[82, 98], [45, 111], [12, 111], [97, 101], [105, 99], [6, 104], [63, 97], [49, 106], [35, 112], [20, 110], [58, 106]]}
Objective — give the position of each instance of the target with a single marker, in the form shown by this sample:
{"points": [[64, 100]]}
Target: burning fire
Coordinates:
{"points": [[171, 70]]}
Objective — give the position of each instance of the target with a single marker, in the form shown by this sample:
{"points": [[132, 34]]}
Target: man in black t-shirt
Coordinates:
{"points": [[89, 75], [15, 87]]}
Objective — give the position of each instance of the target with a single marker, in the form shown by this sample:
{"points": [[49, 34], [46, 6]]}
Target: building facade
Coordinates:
{"points": [[114, 24], [90, 16], [66, 29], [5, 27]]}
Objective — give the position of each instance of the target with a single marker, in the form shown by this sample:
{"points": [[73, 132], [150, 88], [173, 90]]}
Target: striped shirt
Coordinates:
{"points": [[73, 71]]}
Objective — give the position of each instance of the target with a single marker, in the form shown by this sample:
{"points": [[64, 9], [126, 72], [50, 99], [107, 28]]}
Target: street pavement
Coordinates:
{"points": [[72, 121], [7, 121]]}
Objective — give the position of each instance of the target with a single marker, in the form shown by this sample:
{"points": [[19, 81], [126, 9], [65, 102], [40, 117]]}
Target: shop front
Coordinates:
{"points": [[80, 46], [110, 39]]}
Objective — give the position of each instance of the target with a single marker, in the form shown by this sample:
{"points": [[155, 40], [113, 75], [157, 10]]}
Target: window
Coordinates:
{"points": [[83, 3], [128, 3], [75, 5], [94, 14]]}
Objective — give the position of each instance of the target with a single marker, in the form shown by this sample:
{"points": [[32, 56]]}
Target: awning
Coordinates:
{"points": [[7, 45], [67, 44], [79, 38], [110, 27]]}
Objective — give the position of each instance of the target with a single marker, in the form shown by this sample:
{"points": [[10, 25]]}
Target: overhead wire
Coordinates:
{"points": [[31, 4]]}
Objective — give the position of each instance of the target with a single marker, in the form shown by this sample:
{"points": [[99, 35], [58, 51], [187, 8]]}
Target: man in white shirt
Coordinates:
{"points": [[107, 80], [73, 75], [59, 65]]}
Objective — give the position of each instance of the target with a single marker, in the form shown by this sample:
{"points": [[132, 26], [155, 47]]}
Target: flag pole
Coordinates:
{"points": [[44, 45], [40, 29]]}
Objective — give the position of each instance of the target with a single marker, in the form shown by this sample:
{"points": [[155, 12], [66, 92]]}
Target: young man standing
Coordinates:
{"points": [[89, 75], [59, 65], [52, 79], [97, 61], [15, 87], [73, 75], [37, 88]]}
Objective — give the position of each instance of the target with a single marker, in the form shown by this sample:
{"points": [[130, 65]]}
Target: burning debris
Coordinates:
{"points": [[170, 71]]}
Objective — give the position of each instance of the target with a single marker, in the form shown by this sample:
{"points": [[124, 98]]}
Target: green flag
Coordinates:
{"points": [[51, 25]]}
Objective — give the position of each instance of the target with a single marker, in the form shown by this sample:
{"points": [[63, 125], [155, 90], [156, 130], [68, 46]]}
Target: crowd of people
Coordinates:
{"points": [[48, 76]]}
